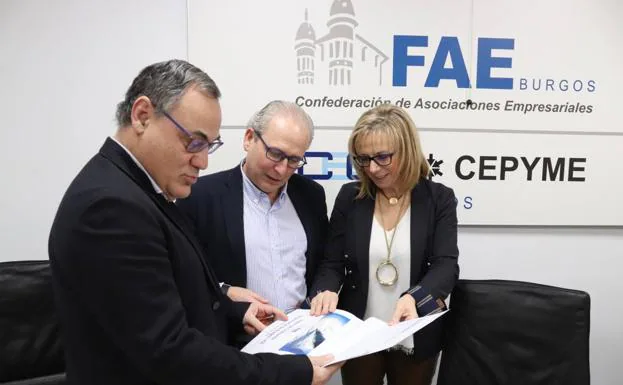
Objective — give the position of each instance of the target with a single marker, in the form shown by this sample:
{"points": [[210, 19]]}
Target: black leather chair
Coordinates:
{"points": [[31, 352], [515, 333]]}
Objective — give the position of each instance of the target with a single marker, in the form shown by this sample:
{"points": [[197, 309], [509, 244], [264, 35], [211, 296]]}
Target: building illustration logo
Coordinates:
{"points": [[342, 56]]}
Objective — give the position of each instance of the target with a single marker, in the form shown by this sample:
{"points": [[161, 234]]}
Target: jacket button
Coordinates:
{"points": [[345, 256], [354, 286], [349, 272], [216, 305]]}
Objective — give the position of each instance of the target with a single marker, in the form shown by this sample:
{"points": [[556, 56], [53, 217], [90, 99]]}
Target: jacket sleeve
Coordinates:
{"points": [[120, 271], [442, 263]]}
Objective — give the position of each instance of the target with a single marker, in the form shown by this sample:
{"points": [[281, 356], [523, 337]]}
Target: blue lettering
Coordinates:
{"points": [[402, 59], [329, 162], [349, 169], [468, 203], [486, 62], [448, 46], [322, 155]]}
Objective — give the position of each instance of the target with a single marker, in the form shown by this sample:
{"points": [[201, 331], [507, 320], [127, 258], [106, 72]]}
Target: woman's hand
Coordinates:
{"points": [[323, 303], [405, 310]]}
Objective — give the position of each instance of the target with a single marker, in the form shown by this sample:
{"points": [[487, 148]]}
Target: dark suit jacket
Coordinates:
{"points": [[215, 207], [434, 250], [137, 301]]}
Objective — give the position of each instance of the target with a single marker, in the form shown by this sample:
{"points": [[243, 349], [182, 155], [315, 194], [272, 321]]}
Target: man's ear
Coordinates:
{"points": [[142, 111], [248, 138]]}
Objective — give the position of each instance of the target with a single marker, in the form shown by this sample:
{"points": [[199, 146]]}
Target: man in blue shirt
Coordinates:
{"points": [[262, 225]]}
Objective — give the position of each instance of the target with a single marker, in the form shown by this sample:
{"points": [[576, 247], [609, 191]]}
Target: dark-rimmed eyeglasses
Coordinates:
{"points": [[276, 155], [382, 159], [196, 143]]}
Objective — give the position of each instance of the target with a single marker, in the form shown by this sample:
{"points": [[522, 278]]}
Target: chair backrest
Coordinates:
{"points": [[508, 332], [30, 341]]}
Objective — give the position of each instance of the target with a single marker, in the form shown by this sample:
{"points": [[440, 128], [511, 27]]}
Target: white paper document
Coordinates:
{"points": [[339, 333]]}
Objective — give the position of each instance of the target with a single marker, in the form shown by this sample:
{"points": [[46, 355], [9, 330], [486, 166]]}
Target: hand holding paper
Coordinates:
{"points": [[323, 372], [405, 310], [323, 303], [340, 333]]}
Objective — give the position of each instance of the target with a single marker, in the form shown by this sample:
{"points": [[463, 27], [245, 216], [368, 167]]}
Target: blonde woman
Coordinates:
{"points": [[395, 232]]}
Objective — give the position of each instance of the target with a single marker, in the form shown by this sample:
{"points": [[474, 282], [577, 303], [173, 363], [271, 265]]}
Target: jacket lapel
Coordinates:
{"points": [[364, 215], [233, 201], [305, 218], [174, 214], [420, 212], [114, 153]]}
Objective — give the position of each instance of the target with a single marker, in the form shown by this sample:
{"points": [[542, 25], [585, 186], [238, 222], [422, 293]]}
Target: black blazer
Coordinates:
{"points": [[215, 208], [434, 251], [138, 304]]}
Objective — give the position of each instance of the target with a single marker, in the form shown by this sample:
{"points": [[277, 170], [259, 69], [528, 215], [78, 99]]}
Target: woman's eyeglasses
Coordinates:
{"points": [[382, 159]]}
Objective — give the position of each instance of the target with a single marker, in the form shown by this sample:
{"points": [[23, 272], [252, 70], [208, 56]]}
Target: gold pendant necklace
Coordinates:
{"points": [[386, 272], [393, 201]]}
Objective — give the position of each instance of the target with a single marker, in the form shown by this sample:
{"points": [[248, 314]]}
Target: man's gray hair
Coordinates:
{"points": [[260, 120], [164, 84]]}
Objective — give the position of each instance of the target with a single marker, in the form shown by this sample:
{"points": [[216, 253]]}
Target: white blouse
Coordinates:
{"points": [[382, 299]]}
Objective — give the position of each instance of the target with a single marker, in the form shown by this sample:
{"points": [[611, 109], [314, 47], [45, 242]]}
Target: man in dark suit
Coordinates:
{"points": [[137, 300], [262, 225]]}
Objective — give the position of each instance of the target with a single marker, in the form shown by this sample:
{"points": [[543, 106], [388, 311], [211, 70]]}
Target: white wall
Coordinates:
{"points": [[63, 67]]}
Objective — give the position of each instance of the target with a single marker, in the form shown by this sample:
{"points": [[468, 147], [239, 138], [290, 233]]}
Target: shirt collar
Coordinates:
{"points": [[151, 180]]}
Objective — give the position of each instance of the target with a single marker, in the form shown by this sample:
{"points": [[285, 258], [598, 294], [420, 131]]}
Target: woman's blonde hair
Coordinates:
{"points": [[395, 124]]}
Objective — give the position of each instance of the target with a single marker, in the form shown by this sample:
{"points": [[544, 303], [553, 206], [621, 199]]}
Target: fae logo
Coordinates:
{"points": [[342, 57], [449, 48]]}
